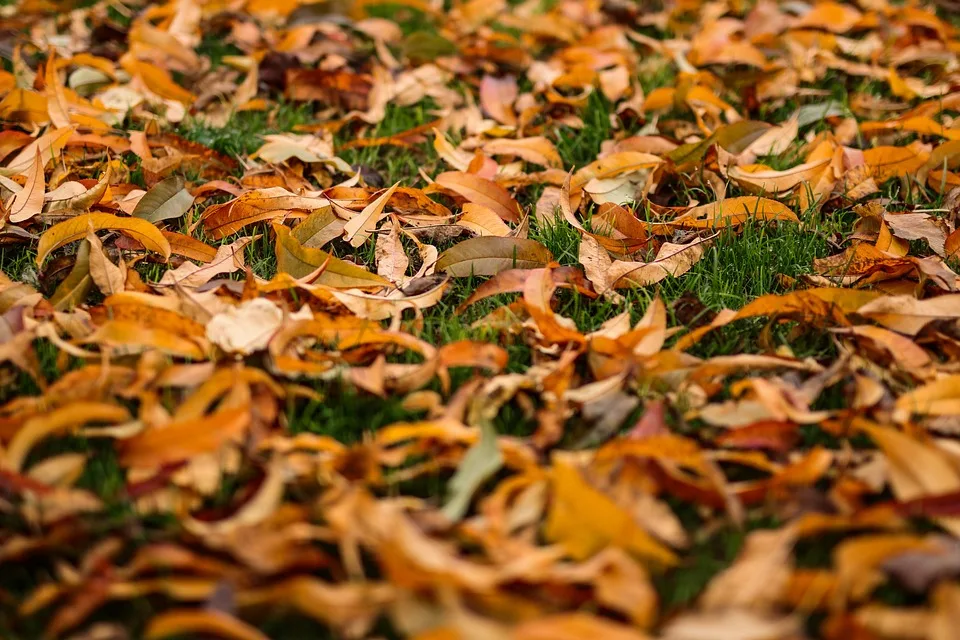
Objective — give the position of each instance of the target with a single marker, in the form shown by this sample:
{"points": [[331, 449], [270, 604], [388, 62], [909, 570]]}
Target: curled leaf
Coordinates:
{"points": [[76, 228]]}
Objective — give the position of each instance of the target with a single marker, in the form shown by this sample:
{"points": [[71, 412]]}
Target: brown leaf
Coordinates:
{"points": [[483, 192], [343, 89], [489, 255]]}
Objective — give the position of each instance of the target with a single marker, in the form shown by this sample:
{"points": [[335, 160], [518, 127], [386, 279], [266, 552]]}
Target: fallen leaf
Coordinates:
{"points": [[28, 202], [483, 192], [164, 201], [177, 622], [78, 227], [489, 255], [300, 261], [359, 228]]}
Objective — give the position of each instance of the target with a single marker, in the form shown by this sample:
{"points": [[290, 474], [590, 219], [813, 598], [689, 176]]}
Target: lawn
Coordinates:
{"points": [[544, 319]]}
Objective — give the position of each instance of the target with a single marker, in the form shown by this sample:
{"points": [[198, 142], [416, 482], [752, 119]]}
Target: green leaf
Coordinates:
{"points": [[480, 463]]}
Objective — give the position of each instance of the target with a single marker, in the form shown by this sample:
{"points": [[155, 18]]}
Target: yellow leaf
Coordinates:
{"points": [[65, 418], [734, 211], [359, 228], [200, 622], [76, 228], [177, 441], [156, 80], [585, 520], [56, 100], [300, 261]]}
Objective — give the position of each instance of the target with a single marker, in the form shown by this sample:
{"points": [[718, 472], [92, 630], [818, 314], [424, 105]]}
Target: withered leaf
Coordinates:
{"points": [[489, 255], [165, 200]]}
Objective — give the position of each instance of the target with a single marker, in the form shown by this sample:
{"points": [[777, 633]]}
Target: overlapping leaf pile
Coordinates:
{"points": [[141, 345]]}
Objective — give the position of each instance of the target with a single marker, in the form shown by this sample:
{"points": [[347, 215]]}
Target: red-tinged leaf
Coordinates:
{"points": [[774, 436], [349, 91], [497, 96], [481, 191], [952, 244], [513, 280]]}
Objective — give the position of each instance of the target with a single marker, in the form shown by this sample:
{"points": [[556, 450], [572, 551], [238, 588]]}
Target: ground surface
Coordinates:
{"points": [[536, 320]]}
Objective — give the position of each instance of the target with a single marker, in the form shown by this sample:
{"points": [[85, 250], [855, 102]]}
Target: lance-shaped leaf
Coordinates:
{"points": [[200, 622], [734, 211], [76, 228], [75, 287], [359, 228], [188, 247], [489, 255], [49, 146], [108, 277], [480, 462], [28, 202], [165, 200], [57, 106], [300, 261], [769, 181], [227, 259]]}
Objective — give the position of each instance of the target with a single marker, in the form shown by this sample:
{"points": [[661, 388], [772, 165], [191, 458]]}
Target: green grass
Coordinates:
{"points": [[242, 134]]}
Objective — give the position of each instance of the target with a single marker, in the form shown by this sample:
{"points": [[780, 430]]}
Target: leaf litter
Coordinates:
{"points": [[172, 306]]}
